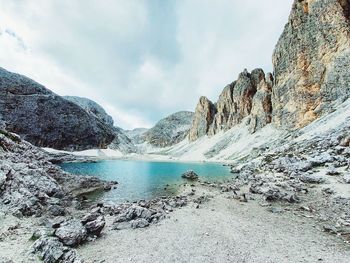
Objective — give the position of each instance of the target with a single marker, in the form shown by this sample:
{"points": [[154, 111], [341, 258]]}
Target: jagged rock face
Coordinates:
{"points": [[93, 108], [311, 62], [170, 130], [46, 119], [247, 97], [203, 118], [261, 112], [236, 101]]}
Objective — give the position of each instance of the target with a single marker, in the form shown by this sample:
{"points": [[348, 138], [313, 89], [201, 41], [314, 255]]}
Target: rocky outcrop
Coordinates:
{"points": [[311, 62], [310, 75], [248, 96], [170, 130], [92, 108], [203, 118], [31, 185], [46, 119]]}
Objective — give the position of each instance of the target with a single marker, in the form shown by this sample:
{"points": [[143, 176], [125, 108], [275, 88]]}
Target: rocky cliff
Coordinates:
{"points": [[46, 119], [311, 62], [170, 130], [92, 108], [248, 96]]}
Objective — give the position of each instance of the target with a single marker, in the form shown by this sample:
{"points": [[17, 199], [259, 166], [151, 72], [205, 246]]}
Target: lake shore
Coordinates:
{"points": [[222, 227]]}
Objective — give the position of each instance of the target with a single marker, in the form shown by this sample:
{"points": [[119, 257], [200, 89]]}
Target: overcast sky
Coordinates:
{"points": [[141, 60]]}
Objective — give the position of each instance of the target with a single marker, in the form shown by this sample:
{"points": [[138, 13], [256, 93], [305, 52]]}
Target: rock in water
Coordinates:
{"points": [[46, 119], [190, 175], [170, 130], [311, 61]]}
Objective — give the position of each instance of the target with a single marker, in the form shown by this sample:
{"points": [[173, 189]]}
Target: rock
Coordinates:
{"points": [[345, 142], [203, 118], [94, 223], [51, 250], [92, 108], [170, 130], [310, 61], [71, 233], [332, 171], [346, 178], [46, 119], [276, 210], [139, 223], [190, 175], [312, 179]]}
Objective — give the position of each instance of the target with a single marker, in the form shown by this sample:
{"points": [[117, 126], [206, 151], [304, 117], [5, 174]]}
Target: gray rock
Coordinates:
{"points": [[92, 108], [190, 175], [139, 223], [170, 130], [94, 226], [51, 250], [312, 179], [46, 119], [346, 178], [71, 233]]}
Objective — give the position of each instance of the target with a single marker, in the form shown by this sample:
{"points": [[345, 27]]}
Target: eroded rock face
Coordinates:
{"points": [[261, 112], [46, 119], [247, 97], [203, 118], [311, 62]]}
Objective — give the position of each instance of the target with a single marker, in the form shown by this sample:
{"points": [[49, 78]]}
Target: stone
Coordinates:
{"points": [[71, 233], [94, 227], [190, 175], [139, 223], [312, 179], [346, 178], [51, 250]]}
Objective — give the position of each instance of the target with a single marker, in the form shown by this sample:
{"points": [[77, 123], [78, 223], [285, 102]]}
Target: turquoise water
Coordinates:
{"points": [[144, 179]]}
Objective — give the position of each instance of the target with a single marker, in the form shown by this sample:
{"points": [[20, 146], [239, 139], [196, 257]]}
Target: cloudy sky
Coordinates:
{"points": [[141, 60]]}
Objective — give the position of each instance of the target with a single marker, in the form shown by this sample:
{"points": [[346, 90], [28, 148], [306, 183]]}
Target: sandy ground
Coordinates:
{"points": [[222, 230]]}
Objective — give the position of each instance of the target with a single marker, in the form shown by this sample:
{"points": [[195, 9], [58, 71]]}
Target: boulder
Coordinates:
{"points": [[71, 233], [190, 175], [51, 250], [94, 223]]}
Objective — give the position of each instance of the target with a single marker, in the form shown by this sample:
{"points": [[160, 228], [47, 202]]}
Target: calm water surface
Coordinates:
{"points": [[144, 179]]}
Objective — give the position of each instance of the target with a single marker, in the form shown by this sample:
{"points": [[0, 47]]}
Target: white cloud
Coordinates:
{"points": [[140, 59]]}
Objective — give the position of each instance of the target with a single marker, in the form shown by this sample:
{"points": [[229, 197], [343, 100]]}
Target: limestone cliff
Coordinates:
{"points": [[311, 73], [311, 62], [248, 96], [203, 118]]}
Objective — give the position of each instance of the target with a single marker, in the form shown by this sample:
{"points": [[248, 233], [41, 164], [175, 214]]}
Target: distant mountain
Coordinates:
{"points": [[170, 130], [46, 119], [136, 135]]}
